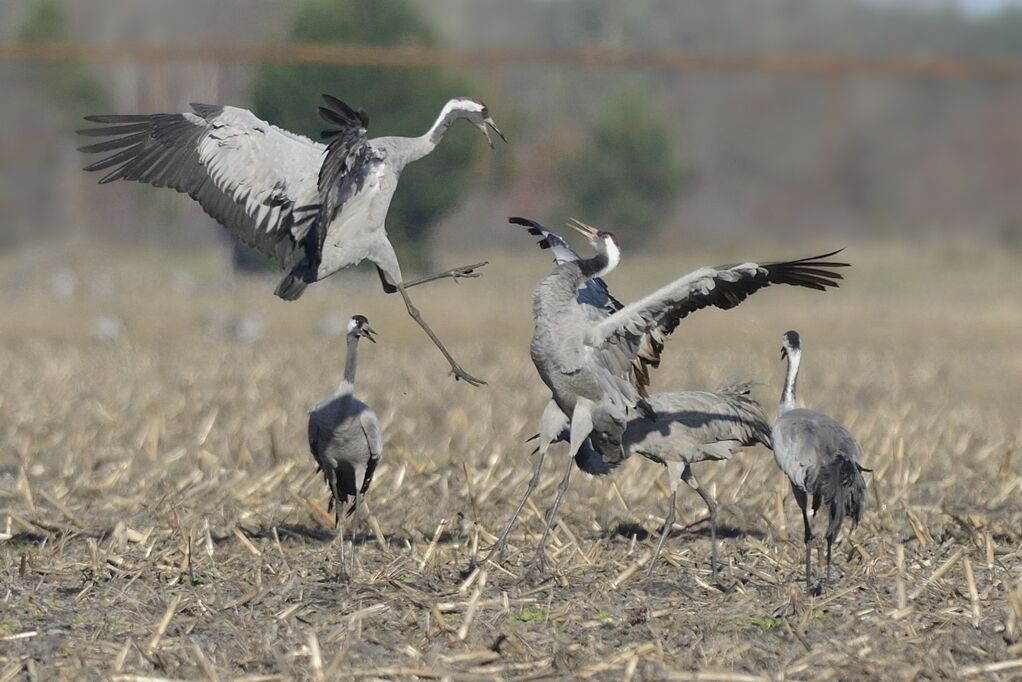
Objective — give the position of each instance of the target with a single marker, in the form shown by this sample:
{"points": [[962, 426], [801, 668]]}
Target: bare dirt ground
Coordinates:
{"points": [[160, 516]]}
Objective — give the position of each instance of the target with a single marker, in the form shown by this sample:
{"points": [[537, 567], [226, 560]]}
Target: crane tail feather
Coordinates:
{"points": [[291, 287]]}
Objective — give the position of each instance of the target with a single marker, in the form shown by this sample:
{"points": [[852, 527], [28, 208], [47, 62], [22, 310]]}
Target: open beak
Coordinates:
{"points": [[587, 231], [486, 126], [784, 352], [368, 332]]}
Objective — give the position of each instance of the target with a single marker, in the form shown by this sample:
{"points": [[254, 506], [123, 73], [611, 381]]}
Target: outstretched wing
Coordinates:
{"points": [[348, 162], [639, 329], [248, 175], [594, 295]]}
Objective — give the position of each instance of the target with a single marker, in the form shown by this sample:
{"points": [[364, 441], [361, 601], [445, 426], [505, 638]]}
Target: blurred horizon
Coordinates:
{"points": [[753, 155]]}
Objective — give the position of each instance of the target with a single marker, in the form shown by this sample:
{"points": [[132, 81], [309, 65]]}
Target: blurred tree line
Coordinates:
{"points": [[74, 87], [773, 155]]}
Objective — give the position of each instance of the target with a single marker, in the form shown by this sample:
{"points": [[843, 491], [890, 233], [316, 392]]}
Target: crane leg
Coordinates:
{"points": [[829, 542], [668, 521], [800, 497], [711, 507], [331, 479], [459, 373], [463, 272], [581, 427], [550, 425], [355, 525]]}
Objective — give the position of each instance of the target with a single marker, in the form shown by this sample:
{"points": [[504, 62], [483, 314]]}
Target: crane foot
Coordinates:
{"points": [[465, 272], [461, 374]]}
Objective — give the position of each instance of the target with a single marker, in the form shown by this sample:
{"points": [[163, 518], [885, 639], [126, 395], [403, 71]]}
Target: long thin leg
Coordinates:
{"points": [[463, 272], [668, 523], [550, 424], [581, 427], [539, 560], [335, 497], [355, 525], [829, 542], [800, 497], [501, 543], [459, 373], [711, 506], [342, 569]]}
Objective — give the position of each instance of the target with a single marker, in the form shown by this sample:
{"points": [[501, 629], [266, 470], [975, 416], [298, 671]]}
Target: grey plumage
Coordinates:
{"points": [[820, 457], [688, 427], [345, 436], [691, 427], [594, 354], [282, 193]]}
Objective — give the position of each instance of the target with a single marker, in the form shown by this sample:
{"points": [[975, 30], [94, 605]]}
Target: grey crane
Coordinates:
{"points": [[598, 370], [691, 427], [345, 438], [280, 192], [819, 456], [687, 426]]}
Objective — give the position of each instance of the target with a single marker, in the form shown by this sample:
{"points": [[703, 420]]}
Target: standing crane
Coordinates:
{"points": [[819, 456], [280, 192], [687, 426], [345, 439], [598, 370]]}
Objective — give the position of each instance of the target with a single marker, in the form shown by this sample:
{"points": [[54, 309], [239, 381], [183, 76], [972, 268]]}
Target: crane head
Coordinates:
{"points": [[359, 326], [790, 344], [604, 242], [479, 115]]}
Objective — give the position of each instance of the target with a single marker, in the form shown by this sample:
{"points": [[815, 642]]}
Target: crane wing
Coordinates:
{"points": [[594, 295], [248, 175], [371, 428], [632, 338], [349, 160]]}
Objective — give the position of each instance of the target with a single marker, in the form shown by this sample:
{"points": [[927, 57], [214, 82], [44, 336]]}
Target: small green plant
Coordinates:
{"points": [[766, 624], [8, 626], [603, 615], [528, 615], [78, 619]]}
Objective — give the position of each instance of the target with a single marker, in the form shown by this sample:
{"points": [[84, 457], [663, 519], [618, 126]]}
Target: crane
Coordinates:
{"points": [[280, 192], [819, 456], [345, 438]]}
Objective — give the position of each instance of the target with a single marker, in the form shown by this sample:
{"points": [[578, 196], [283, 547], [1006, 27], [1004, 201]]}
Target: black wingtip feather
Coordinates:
{"points": [[107, 131], [347, 114], [534, 227], [116, 118]]}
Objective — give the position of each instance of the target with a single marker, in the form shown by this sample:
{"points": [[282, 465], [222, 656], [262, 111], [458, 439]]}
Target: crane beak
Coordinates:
{"points": [[587, 231], [784, 352], [486, 126], [488, 122], [368, 332]]}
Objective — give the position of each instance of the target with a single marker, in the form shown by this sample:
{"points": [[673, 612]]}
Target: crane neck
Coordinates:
{"points": [[350, 364], [788, 394], [424, 144], [603, 262]]}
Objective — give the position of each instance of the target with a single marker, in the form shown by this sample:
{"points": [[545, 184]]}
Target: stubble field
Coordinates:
{"points": [[160, 515]]}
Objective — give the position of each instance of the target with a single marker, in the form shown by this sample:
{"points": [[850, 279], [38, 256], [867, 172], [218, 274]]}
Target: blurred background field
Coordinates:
{"points": [[159, 511]]}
